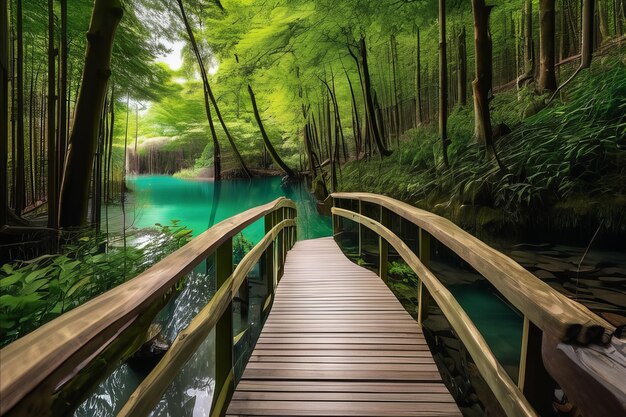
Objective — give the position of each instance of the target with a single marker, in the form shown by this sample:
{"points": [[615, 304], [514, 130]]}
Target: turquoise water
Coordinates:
{"points": [[499, 324], [201, 204]]}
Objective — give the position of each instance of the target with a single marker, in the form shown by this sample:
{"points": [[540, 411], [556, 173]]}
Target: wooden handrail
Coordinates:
{"points": [[510, 397], [56, 352], [149, 392], [545, 307]]}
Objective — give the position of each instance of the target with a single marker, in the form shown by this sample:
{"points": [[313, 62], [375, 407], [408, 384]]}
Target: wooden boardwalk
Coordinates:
{"points": [[338, 343]]}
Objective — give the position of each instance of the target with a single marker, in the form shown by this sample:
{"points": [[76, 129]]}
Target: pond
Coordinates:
{"points": [[201, 204]]}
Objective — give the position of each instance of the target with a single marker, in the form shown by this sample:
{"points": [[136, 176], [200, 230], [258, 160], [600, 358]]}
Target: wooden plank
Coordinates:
{"points": [[343, 396], [341, 408], [343, 386], [426, 358], [337, 342]]}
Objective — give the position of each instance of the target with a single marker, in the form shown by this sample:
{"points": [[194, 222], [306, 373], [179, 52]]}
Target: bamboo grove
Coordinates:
{"points": [[309, 84]]}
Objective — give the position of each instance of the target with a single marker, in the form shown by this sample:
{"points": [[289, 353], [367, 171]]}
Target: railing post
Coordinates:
{"points": [[268, 263], [223, 334], [534, 380], [335, 219], [360, 226], [424, 256], [383, 246]]}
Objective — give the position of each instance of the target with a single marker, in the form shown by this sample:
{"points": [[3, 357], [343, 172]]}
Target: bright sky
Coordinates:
{"points": [[174, 58]]}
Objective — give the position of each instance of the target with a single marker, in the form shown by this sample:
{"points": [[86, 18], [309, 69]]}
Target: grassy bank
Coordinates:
{"points": [[565, 164]]}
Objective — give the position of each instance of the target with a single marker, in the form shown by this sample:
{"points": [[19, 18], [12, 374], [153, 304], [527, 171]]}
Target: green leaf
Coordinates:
{"points": [[77, 286], [10, 280]]}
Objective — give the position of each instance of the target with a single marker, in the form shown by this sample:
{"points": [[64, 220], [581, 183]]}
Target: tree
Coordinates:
{"points": [[586, 47], [547, 73], [268, 145], [217, 154], [209, 92], [369, 98], [462, 67], [419, 118], [20, 182], [73, 202], [62, 106], [529, 47], [482, 83], [443, 83], [53, 176], [4, 109]]}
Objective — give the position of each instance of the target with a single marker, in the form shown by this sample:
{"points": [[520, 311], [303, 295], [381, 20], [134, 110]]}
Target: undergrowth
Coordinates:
{"points": [[36, 291], [568, 159]]}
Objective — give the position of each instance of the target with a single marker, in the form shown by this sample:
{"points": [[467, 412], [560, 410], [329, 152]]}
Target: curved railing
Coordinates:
{"points": [[69, 349], [543, 307]]}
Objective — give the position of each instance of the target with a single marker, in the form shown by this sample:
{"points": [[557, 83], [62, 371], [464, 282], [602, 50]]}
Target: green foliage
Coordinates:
{"points": [[241, 246], [400, 270], [564, 152], [36, 291]]}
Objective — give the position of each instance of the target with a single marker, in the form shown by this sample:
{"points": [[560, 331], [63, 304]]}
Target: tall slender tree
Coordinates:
{"points": [[20, 183], [547, 72], [53, 176], [62, 102], [268, 145], [4, 110], [462, 67], [483, 69], [74, 198], [419, 117], [217, 152], [443, 83]]}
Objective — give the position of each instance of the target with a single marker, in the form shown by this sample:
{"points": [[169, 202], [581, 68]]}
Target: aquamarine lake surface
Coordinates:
{"points": [[200, 204]]}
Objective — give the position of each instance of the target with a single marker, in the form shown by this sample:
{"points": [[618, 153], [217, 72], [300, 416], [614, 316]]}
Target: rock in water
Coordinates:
{"points": [[151, 352]]}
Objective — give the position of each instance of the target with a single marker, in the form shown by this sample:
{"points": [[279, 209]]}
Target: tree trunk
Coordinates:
{"points": [[268, 145], [53, 177], [369, 100], [62, 102], [547, 74], [20, 183], [419, 117], [226, 130], [621, 16], [357, 125], [443, 83], [462, 68], [586, 47], [483, 69], [4, 110], [603, 17], [82, 142], [217, 153], [529, 45]]}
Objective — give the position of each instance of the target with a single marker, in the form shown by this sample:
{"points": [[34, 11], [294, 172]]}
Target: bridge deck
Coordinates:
{"points": [[338, 343]]}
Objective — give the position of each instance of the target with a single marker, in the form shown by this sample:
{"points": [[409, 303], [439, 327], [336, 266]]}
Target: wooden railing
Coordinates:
{"points": [[544, 309], [38, 366]]}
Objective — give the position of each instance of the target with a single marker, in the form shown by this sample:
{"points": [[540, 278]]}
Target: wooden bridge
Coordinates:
{"points": [[336, 341]]}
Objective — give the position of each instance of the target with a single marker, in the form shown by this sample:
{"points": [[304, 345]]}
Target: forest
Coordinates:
{"points": [[342, 94], [507, 117]]}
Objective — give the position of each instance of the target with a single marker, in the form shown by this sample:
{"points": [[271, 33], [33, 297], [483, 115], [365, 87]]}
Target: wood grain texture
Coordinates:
{"points": [[510, 397], [57, 351], [338, 343], [548, 309]]}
